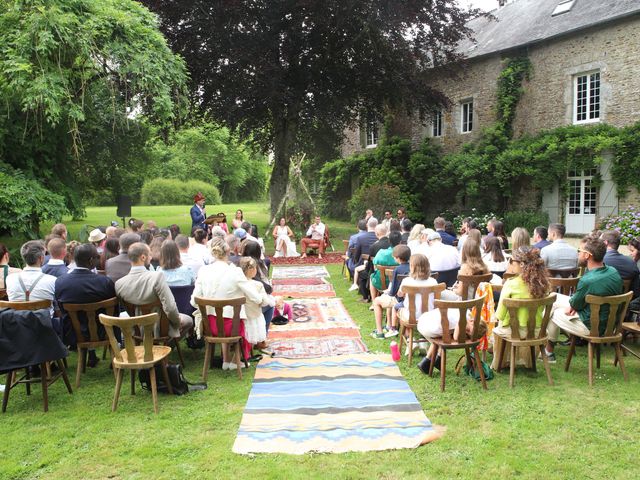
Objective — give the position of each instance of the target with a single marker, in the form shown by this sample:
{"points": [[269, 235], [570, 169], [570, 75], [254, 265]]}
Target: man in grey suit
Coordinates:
{"points": [[559, 255], [118, 267], [141, 286]]}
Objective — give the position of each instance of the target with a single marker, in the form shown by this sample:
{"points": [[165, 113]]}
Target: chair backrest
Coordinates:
{"points": [[364, 256], [572, 272], [448, 277], [91, 311], [626, 284], [128, 326], [531, 305], [385, 271], [182, 296], [26, 305], [326, 238], [345, 243], [424, 292], [218, 306], [462, 306], [155, 307], [508, 275], [618, 305], [565, 286], [3, 293], [471, 282]]}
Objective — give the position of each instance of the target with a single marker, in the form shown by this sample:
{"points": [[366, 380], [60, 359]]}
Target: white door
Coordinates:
{"points": [[581, 202]]}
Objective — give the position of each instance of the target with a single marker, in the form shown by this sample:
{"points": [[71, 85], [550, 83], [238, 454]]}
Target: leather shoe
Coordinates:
{"points": [[93, 359], [424, 364]]}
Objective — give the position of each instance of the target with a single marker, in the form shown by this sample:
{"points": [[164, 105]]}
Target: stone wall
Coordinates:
{"points": [[612, 49]]}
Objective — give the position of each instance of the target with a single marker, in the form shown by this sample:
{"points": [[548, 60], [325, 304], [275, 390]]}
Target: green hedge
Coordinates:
{"points": [[166, 191], [525, 218]]}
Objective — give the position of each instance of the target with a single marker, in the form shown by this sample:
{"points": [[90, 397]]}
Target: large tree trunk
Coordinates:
{"points": [[285, 135]]}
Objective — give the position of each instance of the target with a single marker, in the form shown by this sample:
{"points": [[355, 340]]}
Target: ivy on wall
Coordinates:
{"points": [[491, 172]]}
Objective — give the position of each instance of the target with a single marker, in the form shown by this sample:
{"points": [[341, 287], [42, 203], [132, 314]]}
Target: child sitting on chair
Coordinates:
{"points": [[282, 314], [255, 326]]}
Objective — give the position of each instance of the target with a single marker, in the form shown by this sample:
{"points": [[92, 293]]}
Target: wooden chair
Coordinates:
{"points": [[411, 323], [235, 340], [573, 272], [626, 285], [468, 343], [565, 286], [136, 357], [629, 328], [471, 282], [384, 271], [508, 275], [3, 294], [92, 340], [47, 378], [531, 339], [618, 305], [162, 335]]}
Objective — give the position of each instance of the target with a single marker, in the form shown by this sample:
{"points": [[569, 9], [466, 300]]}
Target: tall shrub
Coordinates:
{"points": [[166, 191]]}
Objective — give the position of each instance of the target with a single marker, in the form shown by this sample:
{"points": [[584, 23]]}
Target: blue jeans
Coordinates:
{"points": [[268, 315]]}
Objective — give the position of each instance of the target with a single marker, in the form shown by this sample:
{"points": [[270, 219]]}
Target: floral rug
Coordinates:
{"points": [[304, 291], [299, 272], [333, 257]]}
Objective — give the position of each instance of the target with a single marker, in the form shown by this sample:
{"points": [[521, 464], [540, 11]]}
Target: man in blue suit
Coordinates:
{"points": [[362, 230], [363, 243], [81, 285], [198, 215]]}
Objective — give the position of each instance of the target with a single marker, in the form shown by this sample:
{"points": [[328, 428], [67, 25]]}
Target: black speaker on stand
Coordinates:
{"points": [[124, 208]]}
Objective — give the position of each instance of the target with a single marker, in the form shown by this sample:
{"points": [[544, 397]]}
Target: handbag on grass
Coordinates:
{"points": [[179, 384]]}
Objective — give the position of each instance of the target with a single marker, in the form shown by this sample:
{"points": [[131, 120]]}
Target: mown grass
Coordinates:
{"points": [[532, 431]]}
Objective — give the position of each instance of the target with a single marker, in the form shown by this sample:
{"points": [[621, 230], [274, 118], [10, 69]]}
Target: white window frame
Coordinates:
{"points": [[437, 123], [371, 134], [466, 118], [590, 103]]}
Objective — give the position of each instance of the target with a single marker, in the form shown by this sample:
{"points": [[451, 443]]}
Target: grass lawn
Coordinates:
{"points": [[532, 431]]}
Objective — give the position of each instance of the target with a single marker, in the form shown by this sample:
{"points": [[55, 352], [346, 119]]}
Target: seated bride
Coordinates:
{"points": [[283, 236]]}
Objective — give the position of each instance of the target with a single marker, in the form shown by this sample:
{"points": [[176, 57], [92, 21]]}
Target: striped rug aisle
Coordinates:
{"points": [[336, 404], [308, 399]]}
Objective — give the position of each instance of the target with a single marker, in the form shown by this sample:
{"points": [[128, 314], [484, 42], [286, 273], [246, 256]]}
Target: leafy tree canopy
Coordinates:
{"points": [[76, 73], [280, 71]]}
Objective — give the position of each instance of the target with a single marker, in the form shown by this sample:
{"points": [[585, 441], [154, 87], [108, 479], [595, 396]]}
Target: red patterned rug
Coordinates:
{"points": [[304, 291], [297, 281], [333, 257]]}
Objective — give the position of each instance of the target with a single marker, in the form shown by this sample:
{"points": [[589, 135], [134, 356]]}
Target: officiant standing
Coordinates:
{"points": [[198, 215]]}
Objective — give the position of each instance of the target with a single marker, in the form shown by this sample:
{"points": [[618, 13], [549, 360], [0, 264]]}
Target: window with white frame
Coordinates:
{"points": [[371, 133], [586, 98], [436, 124], [466, 116]]}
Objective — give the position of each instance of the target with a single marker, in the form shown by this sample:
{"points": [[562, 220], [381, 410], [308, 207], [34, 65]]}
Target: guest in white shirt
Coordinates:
{"points": [[222, 280], [414, 236], [441, 257], [422, 247], [199, 248], [493, 255], [559, 255], [194, 263], [31, 283]]}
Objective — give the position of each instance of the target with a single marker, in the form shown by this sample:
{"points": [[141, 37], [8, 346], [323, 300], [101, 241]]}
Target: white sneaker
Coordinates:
{"points": [[225, 365], [353, 287], [230, 366]]}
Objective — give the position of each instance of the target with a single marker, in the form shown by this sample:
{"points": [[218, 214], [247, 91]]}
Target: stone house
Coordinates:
{"points": [[585, 69]]}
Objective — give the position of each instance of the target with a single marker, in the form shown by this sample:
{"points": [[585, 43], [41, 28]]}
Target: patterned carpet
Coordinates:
{"points": [[321, 391], [332, 404]]}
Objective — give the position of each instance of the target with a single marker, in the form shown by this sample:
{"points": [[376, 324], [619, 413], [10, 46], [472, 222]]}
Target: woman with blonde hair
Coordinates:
{"points": [[222, 280], [520, 238], [414, 236], [530, 282]]}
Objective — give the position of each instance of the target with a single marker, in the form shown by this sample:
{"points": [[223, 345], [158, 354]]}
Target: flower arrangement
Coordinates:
{"points": [[626, 222]]}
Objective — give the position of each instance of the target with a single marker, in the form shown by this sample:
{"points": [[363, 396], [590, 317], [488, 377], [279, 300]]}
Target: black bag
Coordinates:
{"points": [[179, 384]]}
